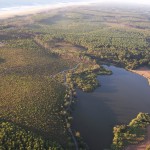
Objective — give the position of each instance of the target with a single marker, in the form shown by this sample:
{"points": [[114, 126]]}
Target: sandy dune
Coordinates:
{"points": [[27, 11], [4, 14]]}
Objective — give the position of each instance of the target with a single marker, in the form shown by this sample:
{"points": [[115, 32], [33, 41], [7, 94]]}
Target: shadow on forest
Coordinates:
{"points": [[35, 131], [2, 60], [51, 20]]}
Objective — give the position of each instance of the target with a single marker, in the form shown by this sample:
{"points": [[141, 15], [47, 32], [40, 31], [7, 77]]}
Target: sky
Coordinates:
{"points": [[15, 3], [124, 1], [54, 1]]}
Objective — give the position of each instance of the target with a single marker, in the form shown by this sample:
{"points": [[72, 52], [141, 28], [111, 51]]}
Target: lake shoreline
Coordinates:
{"points": [[143, 71], [102, 101]]}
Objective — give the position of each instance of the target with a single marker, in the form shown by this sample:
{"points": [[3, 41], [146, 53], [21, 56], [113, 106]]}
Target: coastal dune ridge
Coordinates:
{"points": [[10, 12]]}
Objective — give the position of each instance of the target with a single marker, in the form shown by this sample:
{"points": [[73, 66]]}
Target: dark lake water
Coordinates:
{"points": [[120, 98]]}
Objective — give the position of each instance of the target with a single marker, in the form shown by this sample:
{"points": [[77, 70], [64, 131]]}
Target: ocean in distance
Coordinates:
{"points": [[11, 4]]}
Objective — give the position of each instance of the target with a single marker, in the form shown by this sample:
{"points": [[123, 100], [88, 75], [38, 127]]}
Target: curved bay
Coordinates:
{"points": [[120, 98]]}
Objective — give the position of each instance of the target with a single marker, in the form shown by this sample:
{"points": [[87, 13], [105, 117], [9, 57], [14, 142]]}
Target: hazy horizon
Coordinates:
{"points": [[17, 3], [16, 7]]}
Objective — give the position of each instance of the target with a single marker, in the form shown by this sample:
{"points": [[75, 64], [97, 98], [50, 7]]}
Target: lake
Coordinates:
{"points": [[119, 99]]}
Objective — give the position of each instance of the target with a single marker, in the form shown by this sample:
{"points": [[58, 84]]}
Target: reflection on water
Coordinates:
{"points": [[120, 98]]}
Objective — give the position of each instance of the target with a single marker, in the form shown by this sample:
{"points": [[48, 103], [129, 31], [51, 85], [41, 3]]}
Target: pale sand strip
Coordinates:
{"points": [[27, 11], [143, 71], [23, 11]]}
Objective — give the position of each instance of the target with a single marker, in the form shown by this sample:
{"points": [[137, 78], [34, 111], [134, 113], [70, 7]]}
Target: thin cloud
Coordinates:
{"points": [[147, 2]]}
